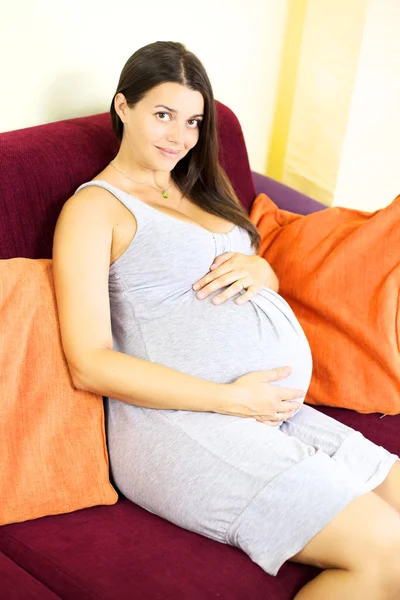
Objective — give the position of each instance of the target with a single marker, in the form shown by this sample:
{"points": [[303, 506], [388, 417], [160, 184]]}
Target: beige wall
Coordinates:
{"points": [[330, 49], [338, 135], [369, 174], [64, 58]]}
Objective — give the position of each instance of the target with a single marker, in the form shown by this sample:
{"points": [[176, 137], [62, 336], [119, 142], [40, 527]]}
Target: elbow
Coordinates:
{"points": [[83, 384], [78, 377], [77, 380], [85, 370], [85, 373], [77, 383]]}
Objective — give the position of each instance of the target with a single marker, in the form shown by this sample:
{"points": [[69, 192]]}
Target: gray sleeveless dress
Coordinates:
{"points": [[266, 490]]}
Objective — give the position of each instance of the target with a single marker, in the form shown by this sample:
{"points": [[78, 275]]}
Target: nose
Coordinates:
{"points": [[176, 133]]}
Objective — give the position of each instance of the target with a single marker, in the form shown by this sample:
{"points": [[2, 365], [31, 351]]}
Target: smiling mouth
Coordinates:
{"points": [[167, 151]]}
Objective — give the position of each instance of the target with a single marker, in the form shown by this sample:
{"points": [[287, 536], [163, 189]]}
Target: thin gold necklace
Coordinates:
{"points": [[164, 192]]}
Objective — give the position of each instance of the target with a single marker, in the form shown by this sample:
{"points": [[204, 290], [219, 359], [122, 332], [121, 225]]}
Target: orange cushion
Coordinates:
{"points": [[53, 455], [339, 269]]}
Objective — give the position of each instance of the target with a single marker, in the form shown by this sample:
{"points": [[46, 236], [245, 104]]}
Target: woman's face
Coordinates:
{"points": [[164, 126]]}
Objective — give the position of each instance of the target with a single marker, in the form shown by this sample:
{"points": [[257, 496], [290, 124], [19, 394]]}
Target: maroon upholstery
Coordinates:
{"points": [[17, 584], [122, 552]]}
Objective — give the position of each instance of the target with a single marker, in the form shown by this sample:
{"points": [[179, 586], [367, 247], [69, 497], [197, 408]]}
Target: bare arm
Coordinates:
{"points": [[143, 383], [81, 261]]}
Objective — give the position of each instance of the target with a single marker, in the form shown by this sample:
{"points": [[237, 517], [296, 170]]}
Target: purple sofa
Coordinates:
{"points": [[123, 552]]}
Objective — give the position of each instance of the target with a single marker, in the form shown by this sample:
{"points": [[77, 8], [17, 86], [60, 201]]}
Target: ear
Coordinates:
{"points": [[121, 106]]}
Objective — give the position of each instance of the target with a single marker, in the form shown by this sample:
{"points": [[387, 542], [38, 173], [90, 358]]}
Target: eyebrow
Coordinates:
{"points": [[173, 110]]}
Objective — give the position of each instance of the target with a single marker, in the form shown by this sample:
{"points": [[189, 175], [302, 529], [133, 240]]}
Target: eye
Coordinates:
{"points": [[162, 115], [194, 123]]}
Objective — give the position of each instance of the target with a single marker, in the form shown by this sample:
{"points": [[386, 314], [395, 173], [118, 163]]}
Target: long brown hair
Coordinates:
{"points": [[199, 174]]}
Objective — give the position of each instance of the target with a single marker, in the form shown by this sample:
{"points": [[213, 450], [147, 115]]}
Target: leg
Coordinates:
{"points": [[371, 466], [360, 550], [389, 490]]}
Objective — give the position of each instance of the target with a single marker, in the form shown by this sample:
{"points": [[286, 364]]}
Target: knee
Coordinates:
{"points": [[381, 564], [390, 562]]}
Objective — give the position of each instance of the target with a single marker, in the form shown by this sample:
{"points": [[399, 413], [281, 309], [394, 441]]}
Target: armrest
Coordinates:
{"points": [[286, 197]]}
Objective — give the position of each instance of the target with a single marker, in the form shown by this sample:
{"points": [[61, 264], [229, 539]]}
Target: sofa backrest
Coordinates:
{"points": [[42, 166]]}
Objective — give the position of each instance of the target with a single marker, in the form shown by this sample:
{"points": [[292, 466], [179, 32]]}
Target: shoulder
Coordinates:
{"points": [[93, 202], [90, 197]]}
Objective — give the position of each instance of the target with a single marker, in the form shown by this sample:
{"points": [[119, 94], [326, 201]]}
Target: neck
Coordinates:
{"points": [[130, 167]]}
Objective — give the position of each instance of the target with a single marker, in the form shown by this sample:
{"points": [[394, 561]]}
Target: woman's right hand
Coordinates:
{"points": [[253, 395]]}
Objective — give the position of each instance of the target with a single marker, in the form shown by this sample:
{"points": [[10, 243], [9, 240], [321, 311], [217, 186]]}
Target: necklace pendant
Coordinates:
{"points": [[165, 195]]}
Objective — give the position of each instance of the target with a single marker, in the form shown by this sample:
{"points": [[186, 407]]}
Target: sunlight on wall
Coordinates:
{"points": [[337, 117], [369, 174], [328, 65], [286, 87]]}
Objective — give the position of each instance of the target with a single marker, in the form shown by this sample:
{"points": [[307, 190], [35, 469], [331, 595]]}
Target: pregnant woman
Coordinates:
{"points": [[206, 425]]}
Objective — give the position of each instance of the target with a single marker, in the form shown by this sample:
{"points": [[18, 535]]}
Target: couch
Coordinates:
{"points": [[123, 552]]}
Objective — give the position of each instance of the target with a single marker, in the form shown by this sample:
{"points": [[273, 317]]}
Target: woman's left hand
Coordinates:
{"points": [[238, 271]]}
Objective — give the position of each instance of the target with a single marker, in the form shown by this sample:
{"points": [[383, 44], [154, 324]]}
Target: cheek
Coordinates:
{"points": [[155, 133], [192, 139], [151, 130]]}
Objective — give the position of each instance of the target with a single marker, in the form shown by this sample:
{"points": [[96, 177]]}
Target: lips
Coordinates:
{"points": [[168, 152]]}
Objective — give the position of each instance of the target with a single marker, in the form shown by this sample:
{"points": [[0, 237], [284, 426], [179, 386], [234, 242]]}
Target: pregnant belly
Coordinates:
{"points": [[221, 343]]}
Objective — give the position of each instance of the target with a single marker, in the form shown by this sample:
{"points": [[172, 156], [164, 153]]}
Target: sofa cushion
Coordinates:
{"points": [[121, 552], [17, 584], [53, 455], [42, 166], [339, 269]]}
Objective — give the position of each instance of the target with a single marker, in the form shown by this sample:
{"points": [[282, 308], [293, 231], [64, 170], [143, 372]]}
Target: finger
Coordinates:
{"points": [[290, 394], [250, 292], [276, 374], [287, 416], [271, 423], [223, 281], [219, 260], [216, 274], [285, 407], [231, 291], [272, 418], [203, 281]]}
